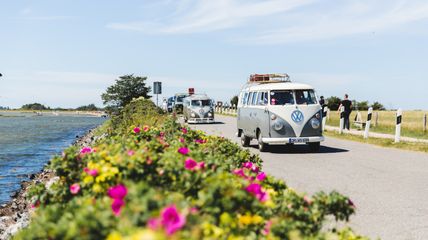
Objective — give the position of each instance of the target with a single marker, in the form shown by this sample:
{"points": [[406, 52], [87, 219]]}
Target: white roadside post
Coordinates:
{"points": [[342, 120], [324, 118], [398, 125], [369, 119], [425, 122]]}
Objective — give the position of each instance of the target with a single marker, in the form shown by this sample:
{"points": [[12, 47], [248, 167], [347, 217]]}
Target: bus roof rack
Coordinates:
{"points": [[269, 78]]}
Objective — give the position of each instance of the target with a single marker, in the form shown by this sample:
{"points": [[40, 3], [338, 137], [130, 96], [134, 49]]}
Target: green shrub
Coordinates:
{"points": [[152, 179]]}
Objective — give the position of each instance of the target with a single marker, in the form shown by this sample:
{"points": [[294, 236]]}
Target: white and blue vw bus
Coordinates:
{"points": [[276, 111]]}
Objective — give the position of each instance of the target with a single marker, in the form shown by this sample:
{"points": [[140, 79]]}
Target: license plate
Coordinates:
{"points": [[299, 140]]}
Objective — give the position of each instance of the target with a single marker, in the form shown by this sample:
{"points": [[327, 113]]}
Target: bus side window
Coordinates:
{"points": [[265, 98], [262, 99], [254, 102], [244, 99], [250, 97]]}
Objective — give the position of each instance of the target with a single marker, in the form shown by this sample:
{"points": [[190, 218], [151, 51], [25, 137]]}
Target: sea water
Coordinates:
{"points": [[29, 140]]}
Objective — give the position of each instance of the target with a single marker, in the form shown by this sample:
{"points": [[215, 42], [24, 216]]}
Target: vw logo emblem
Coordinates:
{"points": [[297, 116]]}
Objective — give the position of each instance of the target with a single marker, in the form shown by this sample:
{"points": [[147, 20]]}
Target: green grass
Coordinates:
{"points": [[420, 147], [412, 125]]}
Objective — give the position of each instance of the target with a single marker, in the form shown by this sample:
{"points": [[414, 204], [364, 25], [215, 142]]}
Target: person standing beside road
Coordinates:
{"points": [[323, 105], [347, 104]]}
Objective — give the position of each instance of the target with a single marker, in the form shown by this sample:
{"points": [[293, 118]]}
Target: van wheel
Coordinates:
{"points": [[263, 147], [315, 146], [245, 141]]}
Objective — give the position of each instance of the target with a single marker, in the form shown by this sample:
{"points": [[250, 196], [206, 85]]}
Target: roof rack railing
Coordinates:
{"points": [[268, 78]]}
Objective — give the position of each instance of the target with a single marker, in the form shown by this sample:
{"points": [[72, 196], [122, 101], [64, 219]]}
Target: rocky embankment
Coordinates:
{"points": [[15, 214]]}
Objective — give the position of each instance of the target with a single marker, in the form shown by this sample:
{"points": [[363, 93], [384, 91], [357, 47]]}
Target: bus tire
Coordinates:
{"points": [[245, 141], [263, 147], [315, 146]]}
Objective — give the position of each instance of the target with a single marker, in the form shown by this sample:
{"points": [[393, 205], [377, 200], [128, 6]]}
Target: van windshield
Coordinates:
{"points": [[305, 97], [180, 99], [201, 103], [281, 97]]}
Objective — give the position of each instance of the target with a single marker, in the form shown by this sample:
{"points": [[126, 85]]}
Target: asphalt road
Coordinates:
{"points": [[388, 186]]}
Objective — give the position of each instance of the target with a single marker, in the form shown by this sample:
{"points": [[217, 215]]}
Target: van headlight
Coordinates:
{"points": [[278, 125], [193, 115], [315, 123], [210, 114]]}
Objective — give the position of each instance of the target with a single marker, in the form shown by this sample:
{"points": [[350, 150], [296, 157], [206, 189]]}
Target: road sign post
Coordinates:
{"points": [[157, 89], [398, 125], [425, 122], [369, 119], [342, 119]]}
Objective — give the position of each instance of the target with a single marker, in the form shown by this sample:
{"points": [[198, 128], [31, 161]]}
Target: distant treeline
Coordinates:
{"points": [[334, 102], [40, 107]]}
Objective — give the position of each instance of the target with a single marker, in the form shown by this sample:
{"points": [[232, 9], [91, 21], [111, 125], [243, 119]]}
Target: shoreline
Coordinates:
{"points": [[16, 213]]}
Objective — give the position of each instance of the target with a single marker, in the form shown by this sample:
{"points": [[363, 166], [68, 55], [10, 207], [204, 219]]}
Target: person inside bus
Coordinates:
{"points": [[300, 98]]}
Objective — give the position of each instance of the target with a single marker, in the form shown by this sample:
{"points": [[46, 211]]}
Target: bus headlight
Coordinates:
{"points": [[193, 115], [273, 116], [277, 125], [315, 123]]}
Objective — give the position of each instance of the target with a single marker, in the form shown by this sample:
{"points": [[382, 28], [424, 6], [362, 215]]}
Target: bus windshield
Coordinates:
{"points": [[201, 103], [281, 97], [305, 97]]}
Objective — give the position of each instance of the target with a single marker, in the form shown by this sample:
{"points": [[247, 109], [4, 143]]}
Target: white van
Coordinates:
{"points": [[274, 110], [198, 108]]}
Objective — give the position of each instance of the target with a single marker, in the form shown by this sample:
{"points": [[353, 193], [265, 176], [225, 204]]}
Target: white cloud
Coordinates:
{"points": [[349, 20], [279, 21], [208, 15]]}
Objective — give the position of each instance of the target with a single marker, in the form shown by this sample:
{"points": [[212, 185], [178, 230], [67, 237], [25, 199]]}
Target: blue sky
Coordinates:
{"points": [[66, 53]]}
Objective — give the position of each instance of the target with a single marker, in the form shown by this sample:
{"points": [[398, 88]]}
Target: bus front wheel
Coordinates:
{"points": [[245, 141]]}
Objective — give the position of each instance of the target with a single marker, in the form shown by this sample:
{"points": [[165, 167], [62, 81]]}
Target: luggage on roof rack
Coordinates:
{"points": [[260, 78]]}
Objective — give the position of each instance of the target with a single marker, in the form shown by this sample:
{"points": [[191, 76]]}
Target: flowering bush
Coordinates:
{"points": [[158, 181]]}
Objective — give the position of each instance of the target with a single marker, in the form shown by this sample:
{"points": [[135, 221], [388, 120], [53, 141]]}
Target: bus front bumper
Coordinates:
{"points": [[201, 120], [282, 141]]}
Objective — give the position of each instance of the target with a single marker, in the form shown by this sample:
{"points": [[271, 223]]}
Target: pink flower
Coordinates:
{"points": [[92, 172], [248, 165], [256, 190], [75, 188], [194, 210], [171, 219], [266, 230], [350, 203], [200, 141], [117, 192], [251, 166], [161, 134], [117, 205], [190, 164], [201, 165], [146, 128], [182, 140], [240, 172], [261, 176], [307, 200], [153, 223], [131, 152], [183, 150], [184, 130], [137, 130], [86, 150]]}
